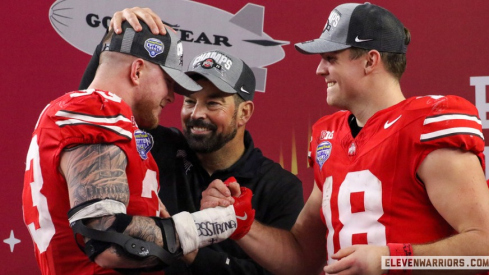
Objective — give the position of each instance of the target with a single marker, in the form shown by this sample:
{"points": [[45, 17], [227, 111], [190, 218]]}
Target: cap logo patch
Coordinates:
{"points": [[209, 63], [359, 40], [333, 20], [243, 90], [154, 47]]}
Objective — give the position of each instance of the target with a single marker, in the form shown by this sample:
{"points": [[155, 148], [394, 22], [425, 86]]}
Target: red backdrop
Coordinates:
{"points": [[448, 48]]}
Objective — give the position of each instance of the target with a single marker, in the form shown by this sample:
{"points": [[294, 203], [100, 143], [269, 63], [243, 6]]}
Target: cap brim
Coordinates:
{"points": [[219, 83], [187, 84], [319, 46]]}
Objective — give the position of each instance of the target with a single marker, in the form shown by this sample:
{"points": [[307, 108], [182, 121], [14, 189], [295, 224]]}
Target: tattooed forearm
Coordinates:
{"points": [[144, 228], [140, 228], [99, 171], [95, 171]]}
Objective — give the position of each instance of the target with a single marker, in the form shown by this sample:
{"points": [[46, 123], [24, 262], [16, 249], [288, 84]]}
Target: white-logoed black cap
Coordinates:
{"points": [[365, 26], [227, 72], [164, 50]]}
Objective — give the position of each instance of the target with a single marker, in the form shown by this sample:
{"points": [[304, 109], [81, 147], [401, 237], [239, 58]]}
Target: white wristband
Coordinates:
{"points": [[187, 232], [204, 227]]}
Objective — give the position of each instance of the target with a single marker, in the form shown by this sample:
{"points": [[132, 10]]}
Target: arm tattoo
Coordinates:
{"points": [[96, 171], [145, 228], [99, 171]]}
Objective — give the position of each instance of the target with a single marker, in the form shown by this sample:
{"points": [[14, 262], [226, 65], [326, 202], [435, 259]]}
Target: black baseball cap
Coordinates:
{"points": [[164, 50], [365, 26], [227, 72]]}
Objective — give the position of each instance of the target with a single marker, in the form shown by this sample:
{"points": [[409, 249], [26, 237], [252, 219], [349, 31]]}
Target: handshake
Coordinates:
{"points": [[226, 212], [243, 211]]}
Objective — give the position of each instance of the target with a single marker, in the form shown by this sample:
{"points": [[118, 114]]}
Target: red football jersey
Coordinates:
{"points": [[83, 117], [371, 194]]}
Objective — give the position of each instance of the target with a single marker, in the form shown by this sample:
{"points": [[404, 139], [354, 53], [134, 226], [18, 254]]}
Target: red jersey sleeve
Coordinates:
{"points": [[92, 117], [451, 122]]}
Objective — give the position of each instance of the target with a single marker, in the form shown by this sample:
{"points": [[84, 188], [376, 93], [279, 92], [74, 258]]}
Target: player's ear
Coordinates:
{"points": [[372, 60], [136, 71], [245, 111]]}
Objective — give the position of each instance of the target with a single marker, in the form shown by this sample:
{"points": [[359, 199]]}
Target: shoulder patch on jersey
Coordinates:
{"points": [[144, 143], [323, 151]]}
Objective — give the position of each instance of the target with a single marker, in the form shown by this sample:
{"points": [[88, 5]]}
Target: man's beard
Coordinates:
{"points": [[208, 143], [143, 112]]}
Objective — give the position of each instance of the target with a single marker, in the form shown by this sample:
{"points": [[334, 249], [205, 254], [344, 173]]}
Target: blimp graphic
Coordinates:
{"points": [[82, 23]]}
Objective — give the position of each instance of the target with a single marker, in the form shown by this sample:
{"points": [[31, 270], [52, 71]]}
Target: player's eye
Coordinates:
{"points": [[189, 101]]}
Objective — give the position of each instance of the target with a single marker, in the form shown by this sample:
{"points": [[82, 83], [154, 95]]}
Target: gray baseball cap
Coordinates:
{"points": [[227, 72], [164, 50], [365, 26]]}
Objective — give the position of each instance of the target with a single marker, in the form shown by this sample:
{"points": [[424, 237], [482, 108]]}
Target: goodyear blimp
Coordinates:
{"points": [[82, 23]]}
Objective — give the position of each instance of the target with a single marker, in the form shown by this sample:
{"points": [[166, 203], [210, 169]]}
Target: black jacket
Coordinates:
{"points": [[277, 197]]}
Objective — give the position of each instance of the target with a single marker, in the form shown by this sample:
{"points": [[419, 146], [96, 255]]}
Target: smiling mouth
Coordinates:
{"points": [[199, 127], [331, 84], [199, 130]]}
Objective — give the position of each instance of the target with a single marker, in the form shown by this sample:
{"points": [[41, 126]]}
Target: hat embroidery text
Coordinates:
{"points": [[217, 57], [333, 20], [154, 46]]}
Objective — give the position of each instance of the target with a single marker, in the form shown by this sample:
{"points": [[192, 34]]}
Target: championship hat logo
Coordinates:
{"points": [[209, 63], [154, 47]]}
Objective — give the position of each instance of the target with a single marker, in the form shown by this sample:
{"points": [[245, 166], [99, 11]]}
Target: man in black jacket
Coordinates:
{"points": [[215, 145]]}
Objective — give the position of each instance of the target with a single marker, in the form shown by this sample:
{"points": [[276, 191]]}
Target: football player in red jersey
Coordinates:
{"points": [[90, 171], [393, 176]]}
